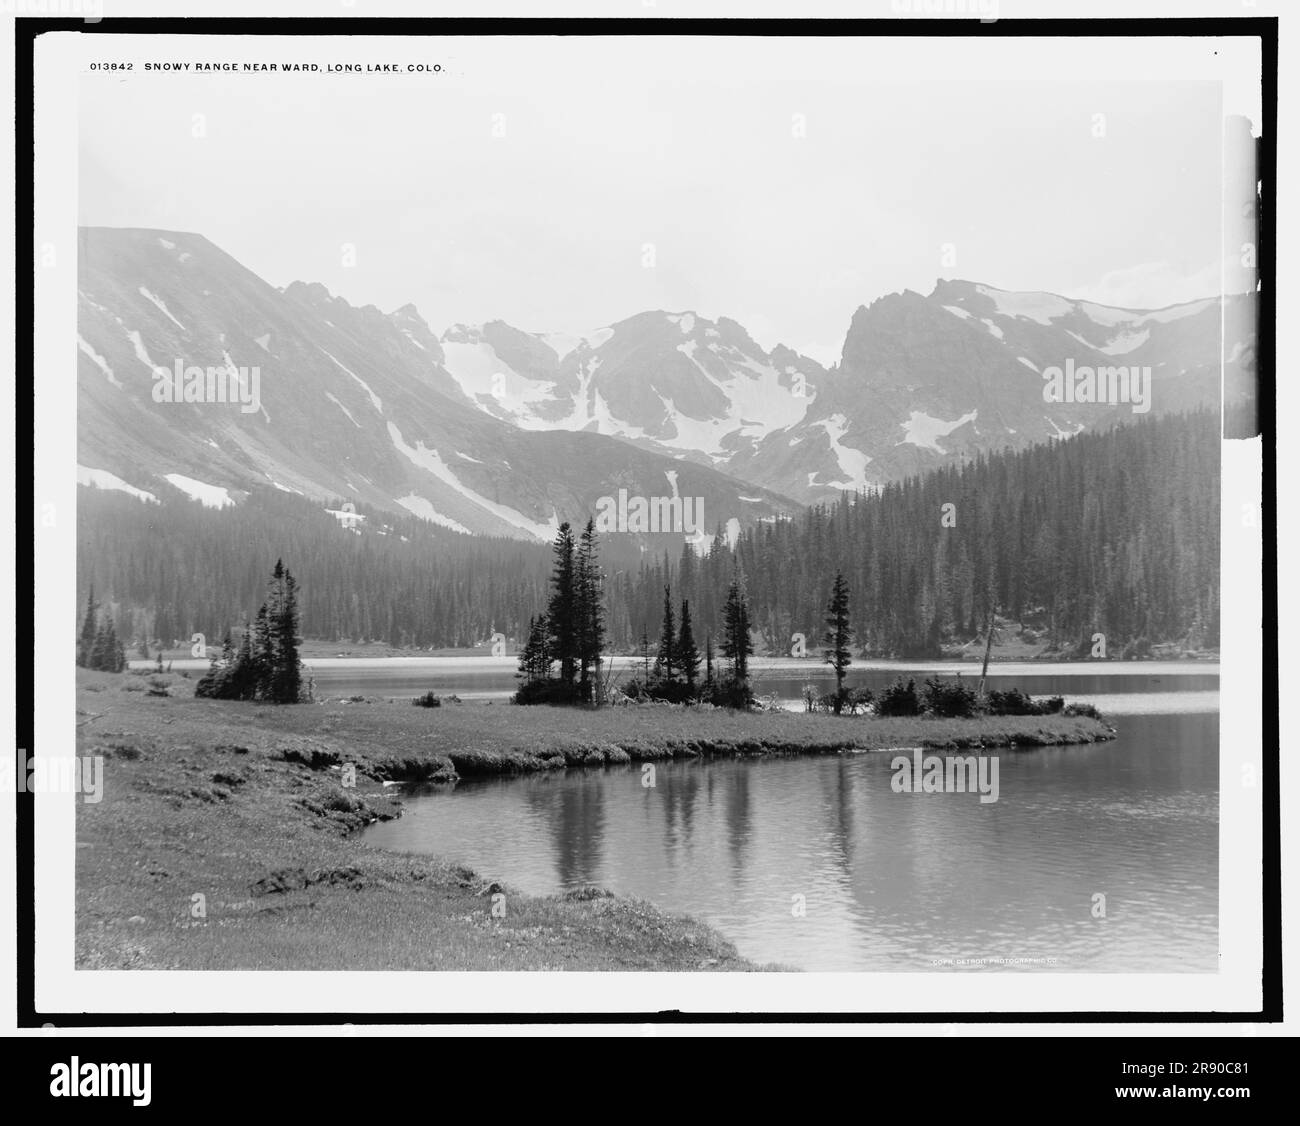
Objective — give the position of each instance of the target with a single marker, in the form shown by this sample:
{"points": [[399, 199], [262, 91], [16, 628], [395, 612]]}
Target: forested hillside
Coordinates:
{"points": [[1114, 532]]}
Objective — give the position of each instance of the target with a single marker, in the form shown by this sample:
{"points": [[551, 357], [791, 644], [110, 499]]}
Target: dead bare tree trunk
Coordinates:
{"points": [[988, 645]]}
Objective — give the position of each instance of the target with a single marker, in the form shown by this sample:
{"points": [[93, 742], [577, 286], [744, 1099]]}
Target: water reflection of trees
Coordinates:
{"points": [[837, 798], [679, 789], [574, 815], [737, 810]]}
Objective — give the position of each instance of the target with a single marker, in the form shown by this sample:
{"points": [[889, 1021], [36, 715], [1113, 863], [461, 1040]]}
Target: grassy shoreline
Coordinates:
{"points": [[244, 805]]}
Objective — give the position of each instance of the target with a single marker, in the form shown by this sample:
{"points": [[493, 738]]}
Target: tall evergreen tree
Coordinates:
{"points": [[838, 635], [688, 655], [99, 649], [561, 612], [590, 608], [264, 655], [285, 681], [86, 640], [737, 645], [535, 659], [666, 660]]}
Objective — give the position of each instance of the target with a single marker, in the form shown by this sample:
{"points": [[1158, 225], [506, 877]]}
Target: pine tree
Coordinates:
{"points": [[248, 675], [838, 635], [561, 612], [262, 668], [666, 660], [688, 656], [99, 649], [86, 642], [737, 646], [708, 665], [534, 659], [286, 673], [590, 610]]}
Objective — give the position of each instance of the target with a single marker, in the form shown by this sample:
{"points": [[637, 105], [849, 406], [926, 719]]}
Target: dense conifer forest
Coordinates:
{"points": [[1114, 532]]}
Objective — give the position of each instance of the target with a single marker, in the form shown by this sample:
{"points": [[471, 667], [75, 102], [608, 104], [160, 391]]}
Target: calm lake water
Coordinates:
{"points": [[889, 881]]}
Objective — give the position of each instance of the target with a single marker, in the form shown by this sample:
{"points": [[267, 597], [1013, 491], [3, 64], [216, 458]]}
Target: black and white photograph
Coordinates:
{"points": [[716, 511]]}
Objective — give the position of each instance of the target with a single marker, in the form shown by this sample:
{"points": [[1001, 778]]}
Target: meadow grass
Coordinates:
{"points": [[226, 837]]}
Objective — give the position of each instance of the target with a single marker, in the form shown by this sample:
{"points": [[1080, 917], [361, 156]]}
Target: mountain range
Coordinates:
{"points": [[354, 406], [491, 429]]}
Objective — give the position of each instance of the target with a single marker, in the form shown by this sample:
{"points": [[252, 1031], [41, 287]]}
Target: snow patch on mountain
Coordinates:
{"points": [[853, 463], [425, 511], [472, 366], [429, 461], [374, 399], [344, 409], [1126, 342], [210, 496], [1042, 308], [158, 301], [98, 361], [759, 403], [1055, 431], [103, 479], [925, 430], [483, 375], [141, 353]]}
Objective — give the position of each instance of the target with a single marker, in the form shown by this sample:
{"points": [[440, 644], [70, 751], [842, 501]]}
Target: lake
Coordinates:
{"points": [[817, 863]]}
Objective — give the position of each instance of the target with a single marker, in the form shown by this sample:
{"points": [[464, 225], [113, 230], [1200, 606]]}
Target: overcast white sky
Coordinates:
{"points": [[690, 145]]}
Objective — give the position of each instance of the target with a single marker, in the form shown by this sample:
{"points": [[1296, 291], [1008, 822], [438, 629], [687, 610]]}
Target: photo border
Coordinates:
{"points": [[26, 32]]}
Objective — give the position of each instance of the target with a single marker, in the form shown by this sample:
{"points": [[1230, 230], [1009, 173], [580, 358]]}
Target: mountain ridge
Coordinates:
{"points": [[922, 381], [351, 403]]}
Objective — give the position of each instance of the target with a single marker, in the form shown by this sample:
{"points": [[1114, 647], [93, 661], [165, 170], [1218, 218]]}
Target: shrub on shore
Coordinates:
{"points": [[1010, 702], [429, 700], [899, 699], [553, 692], [852, 701], [942, 699], [949, 699]]}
